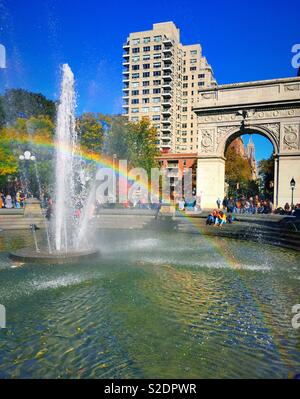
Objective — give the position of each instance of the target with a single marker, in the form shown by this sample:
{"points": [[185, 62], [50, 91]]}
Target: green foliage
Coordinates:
{"points": [[238, 175], [117, 137], [237, 168], [266, 172], [19, 103], [91, 131], [134, 142]]}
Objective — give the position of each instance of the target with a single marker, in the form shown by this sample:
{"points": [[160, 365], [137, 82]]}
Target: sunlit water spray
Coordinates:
{"points": [[70, 190]]}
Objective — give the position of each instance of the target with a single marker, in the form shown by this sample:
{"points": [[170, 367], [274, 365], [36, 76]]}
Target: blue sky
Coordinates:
{"points": [[241, 40]]}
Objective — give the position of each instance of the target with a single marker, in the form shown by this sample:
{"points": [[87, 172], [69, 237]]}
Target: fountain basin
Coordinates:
{"points": [[29, 256]]}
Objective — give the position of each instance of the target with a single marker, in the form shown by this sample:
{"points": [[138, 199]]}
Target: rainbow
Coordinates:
{"points": [[107, 162]]}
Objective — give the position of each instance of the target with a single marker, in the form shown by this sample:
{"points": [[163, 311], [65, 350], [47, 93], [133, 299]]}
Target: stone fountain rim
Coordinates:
{"points": [[29, 255]]}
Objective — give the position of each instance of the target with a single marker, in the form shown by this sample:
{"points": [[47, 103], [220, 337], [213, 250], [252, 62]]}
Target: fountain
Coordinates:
{"points": [[73, 200]]}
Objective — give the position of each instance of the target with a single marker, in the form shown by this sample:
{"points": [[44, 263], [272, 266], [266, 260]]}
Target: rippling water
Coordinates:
{"points": [[155, 305]]}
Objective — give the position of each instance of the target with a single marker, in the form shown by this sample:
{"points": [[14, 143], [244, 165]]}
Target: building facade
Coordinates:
{"points": [[162, 78]]}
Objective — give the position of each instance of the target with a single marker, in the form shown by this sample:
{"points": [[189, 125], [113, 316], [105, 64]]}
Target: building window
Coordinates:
{"points": [[146, 57], [185, 77], [157, 56], [156, 82], [147, 39], [135, 119], [157, 38], [156, 117], [135, 75], [146, 83], [147, 48], [200, 83], [135, 67], [157, 47], [135, 84], [146, 74], [135, 41], [156, 109], [156, 99], [201, 76], [145, 101], [193, 61], [156, 65], [146, 66], [185, 85], [193, 68], [156, 91], [136, 50], [157, 73], [135, 101], [146, 91], [134, 110], [145, 109], [134, 92], [193, 52], [136, 58]]}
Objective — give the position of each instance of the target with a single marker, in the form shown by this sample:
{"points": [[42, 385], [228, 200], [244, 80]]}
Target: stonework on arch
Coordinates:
{"points": [[291, 137], [270, 108]]}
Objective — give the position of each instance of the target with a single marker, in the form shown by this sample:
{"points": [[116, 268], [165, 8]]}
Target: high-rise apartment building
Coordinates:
{"points": [[161, 80]]}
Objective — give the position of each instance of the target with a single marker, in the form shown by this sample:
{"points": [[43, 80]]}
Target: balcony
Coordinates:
{"points": [[166, 112], [166, 146], [167, 42], [167, 76], [168, 68], [168, 59], [167, 85], [168, 50], [166, 130], [166, 103], [166, 121], [126, 46], [167, 93]]}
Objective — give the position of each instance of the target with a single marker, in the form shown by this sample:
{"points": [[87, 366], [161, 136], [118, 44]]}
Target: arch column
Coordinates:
{"points": [[210, 180], [288, 168]]}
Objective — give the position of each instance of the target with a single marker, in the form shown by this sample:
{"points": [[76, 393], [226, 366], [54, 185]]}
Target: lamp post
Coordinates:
{"points": [[27, 156], [293, 185]]}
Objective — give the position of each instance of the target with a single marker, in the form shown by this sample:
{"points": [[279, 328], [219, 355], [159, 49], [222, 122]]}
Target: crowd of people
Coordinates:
{"points": [[251, 205], [12, 200]]}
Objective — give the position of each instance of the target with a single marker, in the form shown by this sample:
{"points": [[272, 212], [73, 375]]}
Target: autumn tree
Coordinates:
{"points": [[91, 132]]}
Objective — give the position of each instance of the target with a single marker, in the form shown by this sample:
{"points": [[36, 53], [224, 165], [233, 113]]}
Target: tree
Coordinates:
{"points": [[117, 137], [134, 142], [19, 103], [141, 145], [8, 163], [237, 168], [91, 132], [266, 172], [35, 135]]}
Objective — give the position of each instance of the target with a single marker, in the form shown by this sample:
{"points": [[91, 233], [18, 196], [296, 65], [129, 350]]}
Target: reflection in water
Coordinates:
{"points": [[173, 305]]}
